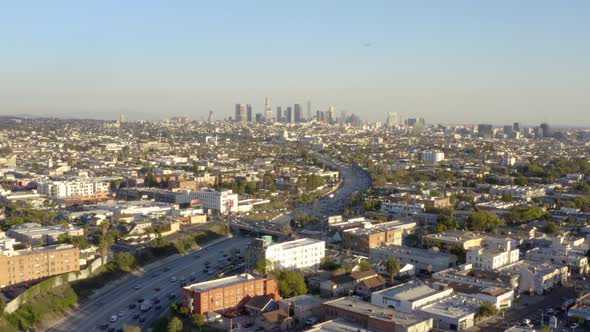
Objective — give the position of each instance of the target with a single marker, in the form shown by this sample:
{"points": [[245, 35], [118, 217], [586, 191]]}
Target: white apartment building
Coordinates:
{"points": [[221, 201], [491, 258], [409, 296], [72, 188], [402, 208], [297, 254], [432, 156]]}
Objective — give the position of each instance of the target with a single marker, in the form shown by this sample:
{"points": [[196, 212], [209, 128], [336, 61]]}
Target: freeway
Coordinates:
{"points": [[97, 312], [354, 179]]}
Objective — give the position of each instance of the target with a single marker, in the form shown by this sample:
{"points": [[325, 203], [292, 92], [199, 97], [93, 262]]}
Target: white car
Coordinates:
{"points": [[114, 318], [122, 313], [172, 279]]}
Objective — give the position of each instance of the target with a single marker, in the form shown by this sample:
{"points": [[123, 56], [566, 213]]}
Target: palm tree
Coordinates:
{"points": [[392, 267]]}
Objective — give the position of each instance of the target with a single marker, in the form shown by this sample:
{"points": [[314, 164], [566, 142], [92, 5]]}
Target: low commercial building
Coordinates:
{"points": [[19, 266], [222, 202], [424, 260], [298, 254], [580, 310], [374, 318], [225, 293], [455, 313], [450, 239], [36, 235], [410, 296], [402, 208], [362, 239]]}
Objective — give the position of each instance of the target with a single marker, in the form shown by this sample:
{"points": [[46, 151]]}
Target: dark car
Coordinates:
{"points": [[136, 316], [157, 289], [132, 306], [156, 300], [158, 307], [142, 319], [166, 269], [104, 326], [112, 329], [140, 300]]}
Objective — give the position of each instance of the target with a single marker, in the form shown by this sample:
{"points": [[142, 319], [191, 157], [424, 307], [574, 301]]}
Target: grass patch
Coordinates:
{"points": [[55, 300]]}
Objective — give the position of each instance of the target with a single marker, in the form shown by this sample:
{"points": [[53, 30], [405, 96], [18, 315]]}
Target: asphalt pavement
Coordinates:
{"points": [[98, 311]]}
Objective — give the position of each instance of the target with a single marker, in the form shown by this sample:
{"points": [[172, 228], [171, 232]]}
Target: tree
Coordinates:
{"points": [[105, 241], [199, 320], [2, 303], [131, 328], [124, 261], [263, 266], [521, 181], [483, 220], [291, 283], [392, 267], [487, 309], [364, 265], [551, 228], [175, 325], [328, 263]]}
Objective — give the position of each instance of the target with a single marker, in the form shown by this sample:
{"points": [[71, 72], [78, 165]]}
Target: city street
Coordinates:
{"points": [[92, 315], [354, 179]]}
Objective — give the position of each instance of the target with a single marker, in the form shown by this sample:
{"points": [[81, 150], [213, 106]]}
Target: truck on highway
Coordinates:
{"points": [[145, 306]]}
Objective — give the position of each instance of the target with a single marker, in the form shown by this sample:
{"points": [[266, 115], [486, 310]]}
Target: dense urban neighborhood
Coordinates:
{"points": [[286, 220]]}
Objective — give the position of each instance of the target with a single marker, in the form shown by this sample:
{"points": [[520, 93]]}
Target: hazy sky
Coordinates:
{"points": [[448, 61]]}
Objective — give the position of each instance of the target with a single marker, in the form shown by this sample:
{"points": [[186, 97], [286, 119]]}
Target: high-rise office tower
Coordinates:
{"points": [[485, 130], [331, 117], [259, 118], [308, 110], [289, 115], [249, 113], [279, 114], [297, 113], [320, 116], [516, 127], [392, 119], [545, 130], [240, 113], [267, 110]]}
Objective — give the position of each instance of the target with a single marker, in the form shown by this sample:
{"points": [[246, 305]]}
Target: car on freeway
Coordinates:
{"points": [[157, 289], [166, 269], [136, 316], [132, 306], [142, 319], [140, 300], [122, 313], [136, 287], [172, 279], [158, 307], [104, 326], [114, 318]]}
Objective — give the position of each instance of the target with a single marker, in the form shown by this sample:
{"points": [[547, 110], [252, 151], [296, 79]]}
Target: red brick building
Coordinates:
{"points": [[225, 293]]}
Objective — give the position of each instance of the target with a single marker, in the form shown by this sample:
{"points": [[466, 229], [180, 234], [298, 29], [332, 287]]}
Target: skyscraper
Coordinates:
{"points": [[485, 130], [289, 115], [240, 113], [516, 127], [249, 113], [297, 113], [331, 115], [279, 114], [392, 119], [267, 110], [308, 110]]}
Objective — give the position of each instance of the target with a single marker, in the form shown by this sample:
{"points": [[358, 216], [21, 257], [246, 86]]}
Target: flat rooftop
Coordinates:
{"points": [[219, 283], [409, 291], [453, 307], [296, 243], [367, 309], [417, 252], [454, 236], [337, 325]]}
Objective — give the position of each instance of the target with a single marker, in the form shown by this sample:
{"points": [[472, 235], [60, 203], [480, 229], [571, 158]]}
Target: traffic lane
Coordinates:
{"points": [[166, 286], [175, 289], [99, 308]]}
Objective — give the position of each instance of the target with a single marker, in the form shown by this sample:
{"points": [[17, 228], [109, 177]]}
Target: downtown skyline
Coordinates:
{"points": [[464, 63]]}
